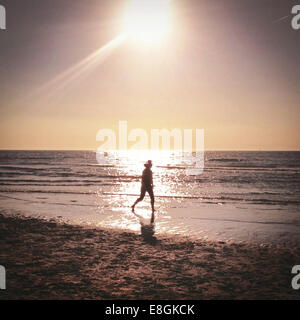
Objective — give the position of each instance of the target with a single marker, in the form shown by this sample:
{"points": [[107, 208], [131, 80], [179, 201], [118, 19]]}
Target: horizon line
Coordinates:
{"points": [[210, 150]]}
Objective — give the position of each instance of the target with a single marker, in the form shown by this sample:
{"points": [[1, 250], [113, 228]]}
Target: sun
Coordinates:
{"points": [[147, 20]]}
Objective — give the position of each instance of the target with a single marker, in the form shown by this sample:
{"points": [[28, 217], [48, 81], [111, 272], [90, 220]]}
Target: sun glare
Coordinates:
{"points": [[147, 20]]}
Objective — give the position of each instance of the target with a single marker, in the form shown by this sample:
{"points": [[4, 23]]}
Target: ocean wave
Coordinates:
{"points": [[51, 203], [173, 167], [225, 160], [202, 198], [16, 181], [78, 179], [248, 221], [48, 191], [254, 168], [58, 185]]}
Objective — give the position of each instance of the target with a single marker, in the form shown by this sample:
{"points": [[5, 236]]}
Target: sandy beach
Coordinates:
{"points": [[52, 260]]}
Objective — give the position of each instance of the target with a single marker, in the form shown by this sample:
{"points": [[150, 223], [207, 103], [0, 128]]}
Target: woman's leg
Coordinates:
{"points": [[142, 196], [151, 194]]}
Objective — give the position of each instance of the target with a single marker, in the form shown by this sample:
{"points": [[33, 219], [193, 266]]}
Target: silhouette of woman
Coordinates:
{"points": [[147, 186]]}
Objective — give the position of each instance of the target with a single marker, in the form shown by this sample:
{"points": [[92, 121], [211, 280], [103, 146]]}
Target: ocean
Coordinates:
{"points": [[240, 195]]}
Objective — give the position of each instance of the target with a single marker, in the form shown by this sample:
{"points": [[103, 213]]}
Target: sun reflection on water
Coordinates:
{"points": [[128, 167]]}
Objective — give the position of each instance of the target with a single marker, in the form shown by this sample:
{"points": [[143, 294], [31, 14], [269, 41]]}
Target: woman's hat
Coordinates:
{"points": [[148, 163]]}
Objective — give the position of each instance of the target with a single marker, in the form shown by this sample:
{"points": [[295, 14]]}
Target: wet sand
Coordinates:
{"points": [[52, 260]]}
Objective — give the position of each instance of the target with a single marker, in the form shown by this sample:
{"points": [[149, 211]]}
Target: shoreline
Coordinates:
{"points": [[50, 260]]}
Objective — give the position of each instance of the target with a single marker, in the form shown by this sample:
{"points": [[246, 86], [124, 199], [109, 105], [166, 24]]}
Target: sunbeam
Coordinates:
{"points": [[80, 69]]}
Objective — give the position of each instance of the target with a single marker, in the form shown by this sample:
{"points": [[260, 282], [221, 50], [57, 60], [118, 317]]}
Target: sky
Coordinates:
{"points": [[229, 67]]}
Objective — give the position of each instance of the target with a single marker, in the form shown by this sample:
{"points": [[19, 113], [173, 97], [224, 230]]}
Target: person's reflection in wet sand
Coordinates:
{"points": [[147, 229]]}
